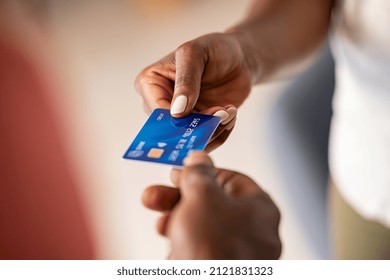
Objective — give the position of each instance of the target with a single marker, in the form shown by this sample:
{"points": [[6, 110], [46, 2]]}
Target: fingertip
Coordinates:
{"points": [[148, 197], [198, 158], [160, 198], [231, 124], [232, 111], [222, 114], [179, 106]]}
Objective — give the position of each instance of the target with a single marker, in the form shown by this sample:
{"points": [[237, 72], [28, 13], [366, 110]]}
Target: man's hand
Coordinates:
{"points": [[215, 214]]}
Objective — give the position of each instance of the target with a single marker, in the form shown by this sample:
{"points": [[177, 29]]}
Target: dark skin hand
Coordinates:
{"points": [[200, 71], [215, 214], [215, 72], [204, 70]]}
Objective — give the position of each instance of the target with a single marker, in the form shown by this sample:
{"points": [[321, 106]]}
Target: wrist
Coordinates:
{"points": [[258, 61]]}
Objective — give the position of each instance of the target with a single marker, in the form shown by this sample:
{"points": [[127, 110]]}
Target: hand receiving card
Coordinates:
{"points": [[168, 140]]}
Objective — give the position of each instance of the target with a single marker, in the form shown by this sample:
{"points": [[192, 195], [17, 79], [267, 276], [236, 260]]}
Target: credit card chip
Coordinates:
{"points": [[155, 153]]}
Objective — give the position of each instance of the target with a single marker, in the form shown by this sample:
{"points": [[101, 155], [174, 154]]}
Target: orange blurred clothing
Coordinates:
{"points": [[41, 212]]}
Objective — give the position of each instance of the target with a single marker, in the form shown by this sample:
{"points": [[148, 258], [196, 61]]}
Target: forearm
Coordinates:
{"points": [[277, 36]]}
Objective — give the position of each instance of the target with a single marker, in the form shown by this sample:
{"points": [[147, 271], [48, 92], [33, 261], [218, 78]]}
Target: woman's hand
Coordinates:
{"points": [[207, 75]]}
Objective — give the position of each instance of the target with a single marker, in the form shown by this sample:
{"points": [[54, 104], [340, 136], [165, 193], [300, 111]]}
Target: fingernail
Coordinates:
{"points": [[232, 111], [230, 125], [179, 105], [222, 114]]}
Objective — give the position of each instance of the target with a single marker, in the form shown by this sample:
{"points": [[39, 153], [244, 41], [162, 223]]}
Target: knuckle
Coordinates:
{"points": [[140, 81], [143, 79], [189, 48], [191, 52]]}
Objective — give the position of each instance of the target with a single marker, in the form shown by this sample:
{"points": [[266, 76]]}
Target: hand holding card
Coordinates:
{"points": [[168, 140]]}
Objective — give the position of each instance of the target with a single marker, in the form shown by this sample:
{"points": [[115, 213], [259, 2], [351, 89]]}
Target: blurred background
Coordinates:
{"points": [[99, 47]]}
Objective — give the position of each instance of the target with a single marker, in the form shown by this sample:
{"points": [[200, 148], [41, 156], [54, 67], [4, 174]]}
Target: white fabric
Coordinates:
{"points": [[360, 131]]}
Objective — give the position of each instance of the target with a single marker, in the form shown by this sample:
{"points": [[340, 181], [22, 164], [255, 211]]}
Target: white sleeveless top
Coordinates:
{"points": [[360, 130]]}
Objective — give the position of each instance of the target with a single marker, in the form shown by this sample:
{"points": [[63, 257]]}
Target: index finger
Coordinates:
{"points": [[155, 84]]}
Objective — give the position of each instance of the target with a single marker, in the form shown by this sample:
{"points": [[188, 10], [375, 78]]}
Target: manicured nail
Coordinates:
{"points": [[179, 105], [230, 125], [232, 111], [222, 114]]}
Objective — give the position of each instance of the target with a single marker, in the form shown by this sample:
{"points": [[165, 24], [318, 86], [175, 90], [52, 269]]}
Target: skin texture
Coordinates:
{"points": [[215, 214]]}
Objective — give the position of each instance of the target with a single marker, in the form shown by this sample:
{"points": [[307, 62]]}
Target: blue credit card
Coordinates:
{"points": [[168, 140]]}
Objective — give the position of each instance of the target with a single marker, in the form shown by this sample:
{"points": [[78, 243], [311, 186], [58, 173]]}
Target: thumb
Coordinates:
{"points": [[198, 177], [190, 63]]}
